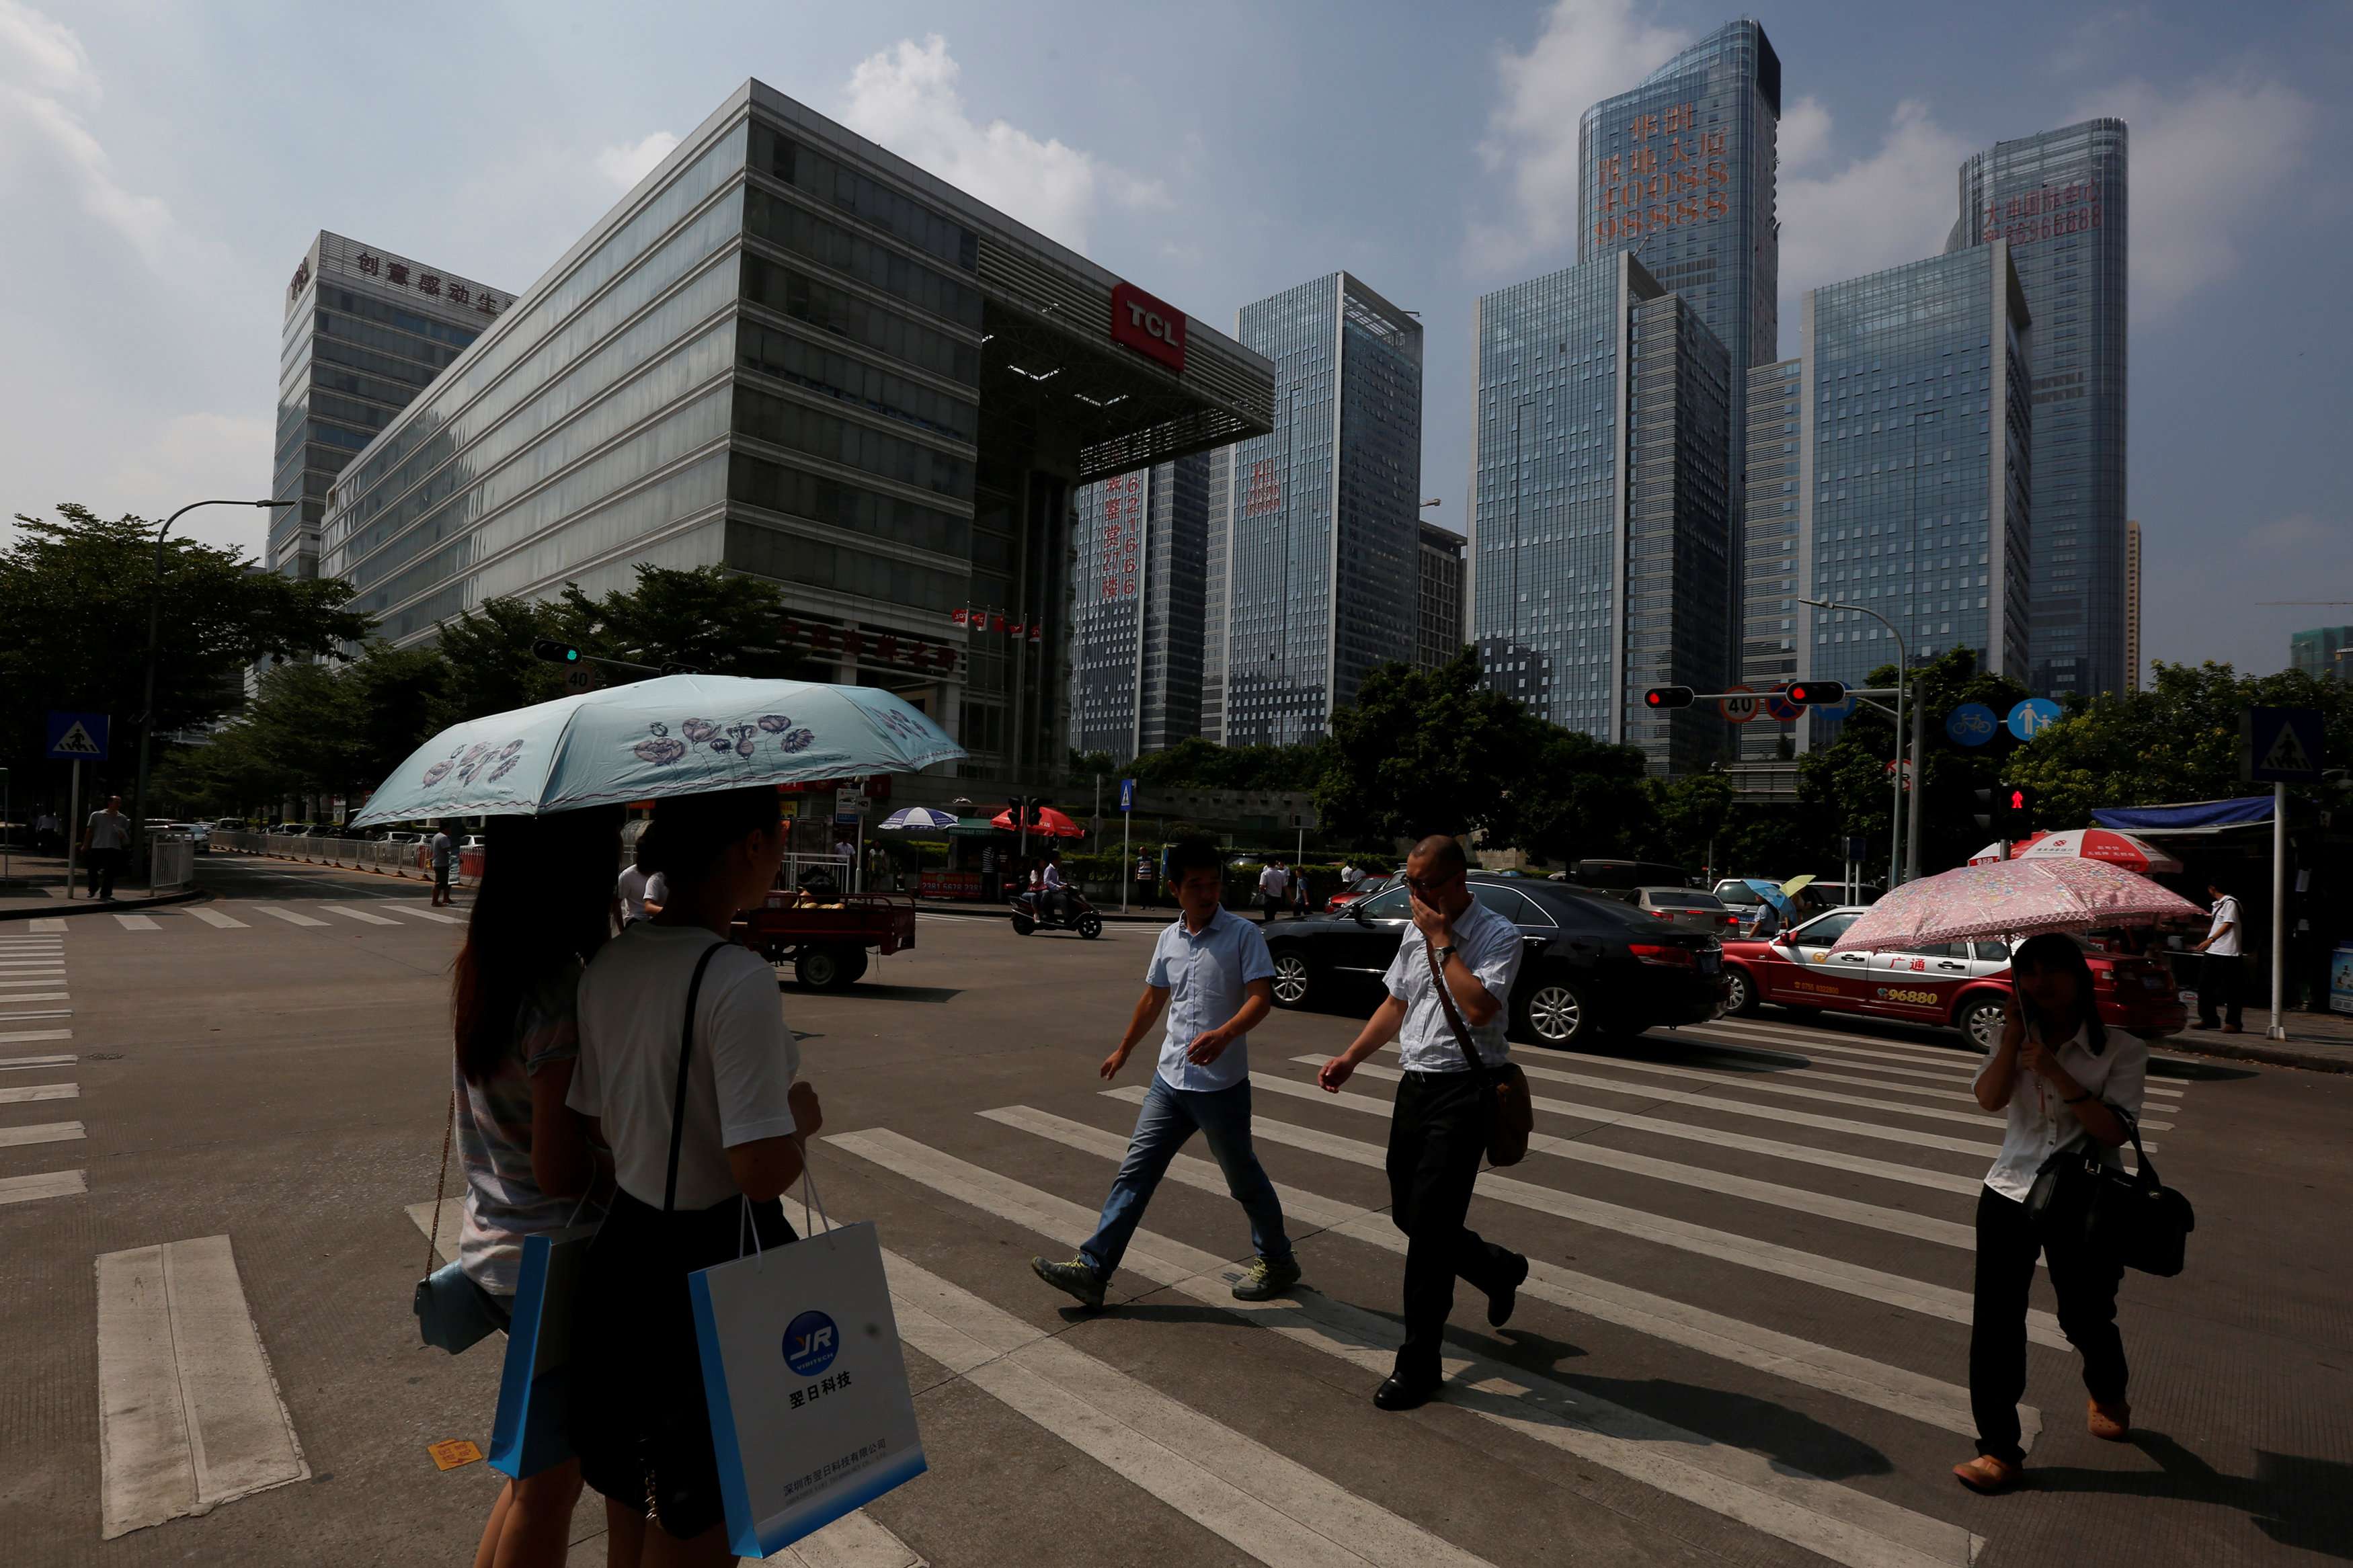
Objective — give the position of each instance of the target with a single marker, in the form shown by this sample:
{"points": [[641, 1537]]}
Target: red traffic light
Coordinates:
{"points": [[1667, 697], [1816, 693], [2018, 800]]}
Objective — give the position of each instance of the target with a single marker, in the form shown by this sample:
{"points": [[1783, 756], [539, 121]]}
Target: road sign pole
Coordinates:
{"points": [[1127, 848], [1918, 791], [73, 826], [2279, 904]]}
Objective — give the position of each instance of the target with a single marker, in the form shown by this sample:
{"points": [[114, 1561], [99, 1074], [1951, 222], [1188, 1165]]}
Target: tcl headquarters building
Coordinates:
{"points": [[792, 353]]}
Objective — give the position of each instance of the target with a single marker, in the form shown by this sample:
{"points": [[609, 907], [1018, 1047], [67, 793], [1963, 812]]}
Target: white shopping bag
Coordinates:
{"points": [[810, 1413]]}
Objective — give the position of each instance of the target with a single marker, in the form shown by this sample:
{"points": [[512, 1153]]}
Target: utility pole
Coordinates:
{"points": [[1919, 792]]}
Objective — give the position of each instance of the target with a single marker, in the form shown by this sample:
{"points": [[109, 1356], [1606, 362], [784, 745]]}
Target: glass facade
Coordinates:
{"points": [[2132, 606], [1217, 544], [366, 330], [2059, 200], [1439, 632], [1769, 597], [1584, 591], [1918, 466], [1320, 567], [2322, 652], [1135, 662]]}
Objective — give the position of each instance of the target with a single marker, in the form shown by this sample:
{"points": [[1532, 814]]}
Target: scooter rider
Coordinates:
{"points": [[1053, 902]]}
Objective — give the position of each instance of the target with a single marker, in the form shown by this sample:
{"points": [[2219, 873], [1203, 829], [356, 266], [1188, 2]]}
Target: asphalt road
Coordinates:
{"points": [[1745, 1343]]}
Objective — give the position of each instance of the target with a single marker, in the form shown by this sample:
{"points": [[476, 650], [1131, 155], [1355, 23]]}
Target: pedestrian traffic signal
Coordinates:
{"points": [[556, 652], [1816, 693], [1985, 809], [1667, 697], [2013, 812]]}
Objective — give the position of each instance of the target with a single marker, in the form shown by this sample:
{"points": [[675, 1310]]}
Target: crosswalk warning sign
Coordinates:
{"points": [[76, 742], [2288, 754], [2281, 745], [78, 737]]}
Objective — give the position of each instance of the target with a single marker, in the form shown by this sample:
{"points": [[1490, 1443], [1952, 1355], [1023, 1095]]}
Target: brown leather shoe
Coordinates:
{"points": [[2109, 1423], [1989, 1475]]}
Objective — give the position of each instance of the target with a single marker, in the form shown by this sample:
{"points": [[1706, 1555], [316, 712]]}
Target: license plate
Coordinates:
{"points": [[1708, 962]]}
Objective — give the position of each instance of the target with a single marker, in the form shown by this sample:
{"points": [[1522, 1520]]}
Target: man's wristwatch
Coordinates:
{"points": [[1446, 952]]}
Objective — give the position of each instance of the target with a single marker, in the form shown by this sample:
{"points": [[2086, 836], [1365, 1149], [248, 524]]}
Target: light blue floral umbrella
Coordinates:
{"points": [[678, 734]]}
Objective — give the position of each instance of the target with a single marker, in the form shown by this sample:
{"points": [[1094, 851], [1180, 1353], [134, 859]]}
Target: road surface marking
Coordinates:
{"points": [[27, 1037], [1790, 1262], [30, 960], [350, 913], [19, 982], [46, 1012], [288, 915], [9, 1062], [439, 919], [1966, 1058], [189, 1415], [136, 922], [1843, 1525], [44, 1132], [1867, 1381], [1693, 1132], [1963, 1070], [50, 926], [28, 1094], [853, 1541], [47, 1184], [216, 919]]}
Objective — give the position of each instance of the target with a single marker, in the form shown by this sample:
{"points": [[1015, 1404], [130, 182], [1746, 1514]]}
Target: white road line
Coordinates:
{"points": [[1961, 1071], [1867, 1381], [27, 1037], [44, 1013], [350, 913], [1962, 1055], [1715, 1137], [137, 923], [44, 1132], [46, 1184], [288, 915], [1790, 1262], [438, 918], [49, 962], [9, 1062], [30, 1093], [50, 926], [189, 1415], [1843, 1525], [216, 919], [18, 982], [1266, 1506]]}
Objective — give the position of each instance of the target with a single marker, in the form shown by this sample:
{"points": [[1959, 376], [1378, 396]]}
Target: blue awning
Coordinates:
{"points": [[2193, 816]]}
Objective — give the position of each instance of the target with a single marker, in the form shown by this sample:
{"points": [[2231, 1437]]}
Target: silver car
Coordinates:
{"points": [[1688, 908]]}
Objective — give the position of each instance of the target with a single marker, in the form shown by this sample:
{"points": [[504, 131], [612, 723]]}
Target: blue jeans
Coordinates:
{"points": [[1167, 1120]]}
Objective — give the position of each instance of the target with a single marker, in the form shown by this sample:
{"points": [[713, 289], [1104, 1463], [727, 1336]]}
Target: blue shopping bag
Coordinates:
{"points": [[810, 1412], [529, 1434]]}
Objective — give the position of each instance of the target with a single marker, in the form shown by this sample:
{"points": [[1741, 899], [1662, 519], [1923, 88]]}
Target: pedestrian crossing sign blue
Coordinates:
{"points": [[78, 737], [1127, 794], [2281, 745]]}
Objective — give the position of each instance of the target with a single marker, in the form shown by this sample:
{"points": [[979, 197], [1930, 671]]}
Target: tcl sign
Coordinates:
{"points": [[1147, 325]]}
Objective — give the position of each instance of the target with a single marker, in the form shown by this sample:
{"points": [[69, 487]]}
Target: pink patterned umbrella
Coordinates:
{"points": [[2013, 898]]}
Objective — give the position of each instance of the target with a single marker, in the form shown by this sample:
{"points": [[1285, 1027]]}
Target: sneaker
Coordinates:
{"points": [[1073, 1279], [1264, 1281], [2109, 1423], [1989, 1475], [1500, 1304]]}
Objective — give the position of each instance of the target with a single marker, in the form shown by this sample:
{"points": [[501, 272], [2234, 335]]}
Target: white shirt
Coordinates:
{"points": [[1051, 875], [2226, 913], [632, 1011], [1272, 880], [1489, 945], [2039, 1122], [1207, 974], [636, 890], [109, 830], [1348, 875]]}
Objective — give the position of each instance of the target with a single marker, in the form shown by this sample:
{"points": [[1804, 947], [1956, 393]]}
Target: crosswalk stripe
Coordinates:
{"points": [[1267, 1506], [1692, 1133], [351, 914], [1790, 1064], [8, 1063], [436, 916], [27, 1094], [288, 915], [1771, 1258], [27, 1037], [45, 1184], [137, 923], [43, 1013], [220, 922], [49, 962], [189, 1415], [1963, 1071], [46, 944], [59, 978], [42, 1132], [38, 996], [1908, 1394], [1963, 1053], [1843, 1525], [50, 926]]}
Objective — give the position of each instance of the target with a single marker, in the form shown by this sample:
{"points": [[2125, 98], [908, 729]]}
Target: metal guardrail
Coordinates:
{"points": [[171, 862]]}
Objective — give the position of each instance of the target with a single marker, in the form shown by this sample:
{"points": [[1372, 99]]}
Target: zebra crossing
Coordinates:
{"points": [[244, 916], [35, 1010]]}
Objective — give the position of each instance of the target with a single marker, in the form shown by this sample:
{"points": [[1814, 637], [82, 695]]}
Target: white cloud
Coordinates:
{"points": [[905, 98], [1804, 135], [46, 81], [45, 55], [2296, 534], [2225, 149], [1587, 50], [1894, 204], [155, 470], [630, 162]]}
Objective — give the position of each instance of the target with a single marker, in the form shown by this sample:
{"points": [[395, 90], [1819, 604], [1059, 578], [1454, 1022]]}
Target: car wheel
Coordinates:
{"points": [[1556, 1013], [821, 969], [1294, 979], [853, 967], [1739, 991], [1091, 925], [1023, 925], [1981, 1020]]}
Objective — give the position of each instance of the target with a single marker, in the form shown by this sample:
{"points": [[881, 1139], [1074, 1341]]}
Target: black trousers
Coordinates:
{"points": [[2087, 1289], [2217, 989], [103, 865], [1438, 1135]]}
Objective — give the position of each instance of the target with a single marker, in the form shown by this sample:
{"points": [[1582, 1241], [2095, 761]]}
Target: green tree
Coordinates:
{"points": [[1198, 763], [1425, 751], [1572, 797], [708, 619]]}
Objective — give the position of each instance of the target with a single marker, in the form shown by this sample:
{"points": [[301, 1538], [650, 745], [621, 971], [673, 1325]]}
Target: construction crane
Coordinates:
{"points": [[2304, 603]]}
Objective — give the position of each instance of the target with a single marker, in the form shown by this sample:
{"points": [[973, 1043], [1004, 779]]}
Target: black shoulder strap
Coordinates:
{"points": [[1470, 1057], [685, 1054]]}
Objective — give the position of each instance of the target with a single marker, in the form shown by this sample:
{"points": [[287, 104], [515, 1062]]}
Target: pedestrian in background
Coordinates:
{"points": [[1211, 972], [2060, 1079], [2219, 972], [104, 839], [1271, 883], [529, 1162], [440, 852], [638, 895], [1438, 1130]]}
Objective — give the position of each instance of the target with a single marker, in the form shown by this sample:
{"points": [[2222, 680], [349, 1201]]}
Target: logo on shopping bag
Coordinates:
{"points": [[810, 1343]]}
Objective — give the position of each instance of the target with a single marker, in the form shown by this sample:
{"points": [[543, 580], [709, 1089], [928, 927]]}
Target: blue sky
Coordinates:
{"points": [[162, 170]]}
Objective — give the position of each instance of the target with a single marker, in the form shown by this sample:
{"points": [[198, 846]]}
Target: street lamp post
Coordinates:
{"points": [[147, 681], [1903, 666]]}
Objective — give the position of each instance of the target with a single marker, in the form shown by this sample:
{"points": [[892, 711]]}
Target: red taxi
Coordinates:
{"points": [[1963, 985]]}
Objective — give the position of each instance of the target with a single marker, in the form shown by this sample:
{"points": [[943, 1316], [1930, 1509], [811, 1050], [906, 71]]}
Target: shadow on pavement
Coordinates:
{"points": [[2299, 1502], [884, 992]]}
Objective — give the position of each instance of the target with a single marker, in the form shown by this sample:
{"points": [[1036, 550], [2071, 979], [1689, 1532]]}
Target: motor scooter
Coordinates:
{"points": [[1079, 915]]}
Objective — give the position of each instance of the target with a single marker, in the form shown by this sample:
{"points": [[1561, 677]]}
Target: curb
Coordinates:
{"points": [[454, 880], [2263, 1051], [110, 907]]}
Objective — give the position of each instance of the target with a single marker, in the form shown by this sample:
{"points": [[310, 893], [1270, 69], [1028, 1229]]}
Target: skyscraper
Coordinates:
{"points": [[1319, 566], [2322, 652], [1136, 656], [1583, 589], [2132, 606], [2059, 201], [1439, 635], [1770, 591], [365, 332]]}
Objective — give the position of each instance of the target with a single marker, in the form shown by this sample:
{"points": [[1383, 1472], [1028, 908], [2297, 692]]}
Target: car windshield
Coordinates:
{"points": [[1827, 930], [1737, 893], [1681, 899]]}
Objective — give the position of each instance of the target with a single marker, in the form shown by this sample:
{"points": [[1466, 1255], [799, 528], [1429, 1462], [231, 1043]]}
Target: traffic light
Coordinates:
{"points": [[1667, 697], [1816, 693], [2013, 812], [556, 652], [1984, 812]]}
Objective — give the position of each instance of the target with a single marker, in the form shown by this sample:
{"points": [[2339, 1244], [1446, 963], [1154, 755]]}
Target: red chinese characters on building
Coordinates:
{"points": [[1119, 538], [301, 276], [1674, 174], [1264, 493], [2043, 214]]}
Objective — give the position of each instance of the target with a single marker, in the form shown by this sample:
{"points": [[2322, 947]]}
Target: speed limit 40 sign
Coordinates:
{"points": [[1740, 706]]}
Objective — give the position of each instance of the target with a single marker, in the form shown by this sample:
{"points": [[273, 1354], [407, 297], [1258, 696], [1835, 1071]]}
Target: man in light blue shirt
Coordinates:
{"points": [[1211, 972]]}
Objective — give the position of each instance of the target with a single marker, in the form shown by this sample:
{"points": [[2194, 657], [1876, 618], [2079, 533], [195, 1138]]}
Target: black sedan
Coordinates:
{"points": [[1591, 965]]}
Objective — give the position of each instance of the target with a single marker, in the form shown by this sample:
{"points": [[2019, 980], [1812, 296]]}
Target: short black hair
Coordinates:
{"points": [[1445, 853], [1188, 854]]}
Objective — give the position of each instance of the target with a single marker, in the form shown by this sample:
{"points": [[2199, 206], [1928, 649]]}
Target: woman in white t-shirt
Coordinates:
{"points": [[2061, 1080], [638, 1420]]}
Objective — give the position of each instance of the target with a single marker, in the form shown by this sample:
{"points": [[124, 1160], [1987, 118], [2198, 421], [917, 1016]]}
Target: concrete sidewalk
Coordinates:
{"points": [[36, 886], [2319, 1042]]}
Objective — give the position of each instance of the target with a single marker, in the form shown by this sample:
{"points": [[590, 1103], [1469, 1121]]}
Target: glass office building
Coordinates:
{"points": [[1217, 545], [1583, 590], [2058, 200], [1320, 563], [1769, 595], [791, 354], [1915, 466], [2322, 652], [366, 330], [1438, 636], [1136, 662], [2132, 606]]}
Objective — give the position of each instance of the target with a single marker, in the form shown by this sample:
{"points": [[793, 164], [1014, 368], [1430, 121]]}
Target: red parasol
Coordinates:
{"points": [[2012, 899], [2103, 844], [1051, 824]]}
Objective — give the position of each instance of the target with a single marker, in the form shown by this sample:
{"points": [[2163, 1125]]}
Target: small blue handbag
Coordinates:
{"points": [[451, 1313]]}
